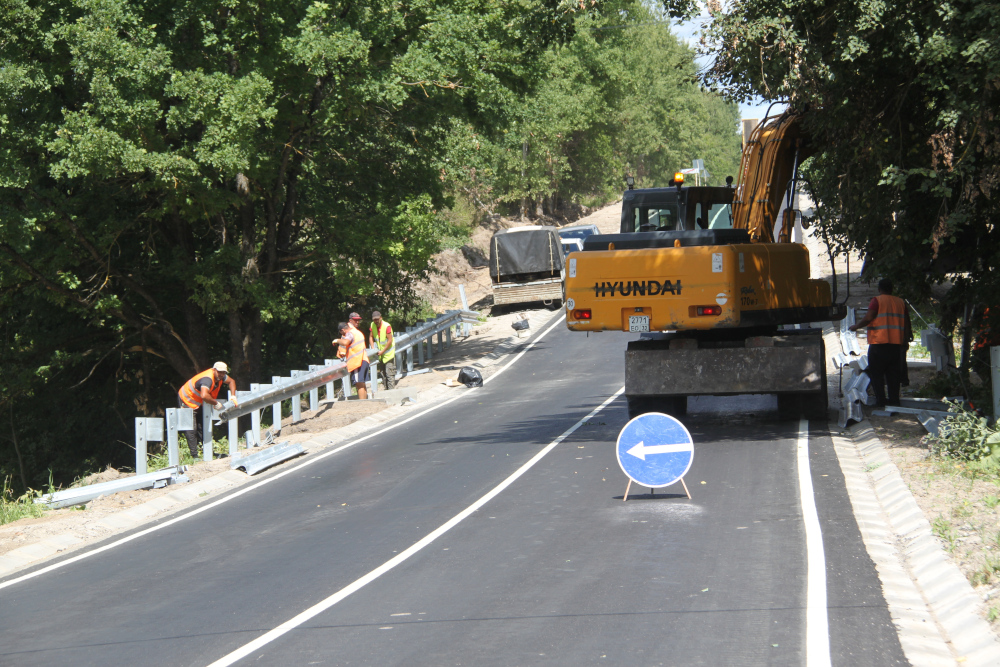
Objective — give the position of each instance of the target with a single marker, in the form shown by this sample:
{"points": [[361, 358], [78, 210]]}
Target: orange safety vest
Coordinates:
{"points": [[191, 396], [890, 323], [356, 352]]}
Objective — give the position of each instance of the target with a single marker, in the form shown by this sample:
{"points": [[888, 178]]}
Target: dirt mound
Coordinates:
{"points": [[108, 475], [469, 264]]}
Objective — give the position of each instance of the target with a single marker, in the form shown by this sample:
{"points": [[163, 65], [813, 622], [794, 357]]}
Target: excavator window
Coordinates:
{"points": [[659, 218], [716, 216]]}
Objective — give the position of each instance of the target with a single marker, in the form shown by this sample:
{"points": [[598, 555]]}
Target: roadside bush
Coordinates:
{"points": [[12, 509], [965, 436]]}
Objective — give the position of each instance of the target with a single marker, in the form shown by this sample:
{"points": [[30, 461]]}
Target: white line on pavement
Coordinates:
{"points": [[817, 623], [263, 482], [356, 585]]}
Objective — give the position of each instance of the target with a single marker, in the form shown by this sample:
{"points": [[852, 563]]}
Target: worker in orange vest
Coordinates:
{"points": [[352, 350], [889, 334], [204, 387]]}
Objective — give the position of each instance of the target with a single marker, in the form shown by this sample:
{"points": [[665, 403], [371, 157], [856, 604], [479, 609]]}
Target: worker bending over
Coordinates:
{"points": [[204, 387]]}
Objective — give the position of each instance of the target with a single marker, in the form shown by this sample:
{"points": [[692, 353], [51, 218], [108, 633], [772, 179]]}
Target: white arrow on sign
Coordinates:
{"points": [[641, 450]]}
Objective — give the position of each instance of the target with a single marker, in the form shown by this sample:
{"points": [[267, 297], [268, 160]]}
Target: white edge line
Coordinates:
{"points": [[817, 621], [357, 584], [248, 489]]}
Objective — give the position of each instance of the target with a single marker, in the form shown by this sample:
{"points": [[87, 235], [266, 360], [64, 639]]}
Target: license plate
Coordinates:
{"points": [[638, 322]]}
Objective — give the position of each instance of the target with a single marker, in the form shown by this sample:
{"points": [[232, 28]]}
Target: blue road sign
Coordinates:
{"points": [[655, 450]]}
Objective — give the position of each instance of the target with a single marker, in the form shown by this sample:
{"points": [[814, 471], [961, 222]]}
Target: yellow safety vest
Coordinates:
{"points": [[379, 339]]}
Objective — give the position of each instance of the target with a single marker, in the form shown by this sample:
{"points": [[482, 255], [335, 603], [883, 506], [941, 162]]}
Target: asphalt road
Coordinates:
{"points": [[555, 569]]}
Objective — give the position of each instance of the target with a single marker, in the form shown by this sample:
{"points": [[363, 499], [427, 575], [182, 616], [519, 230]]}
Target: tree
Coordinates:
{"points": [[900, 101], [182, 181], [620, 95]]}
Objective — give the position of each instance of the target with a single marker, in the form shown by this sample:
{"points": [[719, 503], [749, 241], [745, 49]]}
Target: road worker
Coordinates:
{"points": [[204, 387], [352, 350], [382, 340], [889, 334]]}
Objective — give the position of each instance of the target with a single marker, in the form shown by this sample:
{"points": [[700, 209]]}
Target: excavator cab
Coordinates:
{"points": [[676, 209]]}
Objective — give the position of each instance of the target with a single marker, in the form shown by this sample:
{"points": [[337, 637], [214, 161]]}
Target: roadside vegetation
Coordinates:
{"points": [[13, 508], [194, 181]]}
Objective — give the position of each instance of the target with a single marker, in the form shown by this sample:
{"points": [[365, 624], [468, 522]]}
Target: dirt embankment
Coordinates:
{"points": [[469, 265]]}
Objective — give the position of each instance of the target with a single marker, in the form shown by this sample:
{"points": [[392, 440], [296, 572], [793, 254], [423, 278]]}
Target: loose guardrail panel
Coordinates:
{"points": [[254, 463], [84, 494]]}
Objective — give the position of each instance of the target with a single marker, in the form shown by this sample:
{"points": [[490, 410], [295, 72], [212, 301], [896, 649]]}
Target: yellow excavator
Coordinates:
{"points": [[721, 306]]}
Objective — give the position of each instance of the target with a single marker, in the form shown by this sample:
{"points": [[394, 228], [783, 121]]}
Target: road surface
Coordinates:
{"points": [[390, 552]]}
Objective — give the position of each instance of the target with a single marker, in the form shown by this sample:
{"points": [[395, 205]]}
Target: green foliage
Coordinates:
{"points": [[187, 181], [965, 436], [12, 509], [619, 96], [900, 100]]}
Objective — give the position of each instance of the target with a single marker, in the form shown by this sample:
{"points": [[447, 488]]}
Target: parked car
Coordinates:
{"points": [[571, 245]]}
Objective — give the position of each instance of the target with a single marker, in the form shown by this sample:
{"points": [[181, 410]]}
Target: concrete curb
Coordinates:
{"points": [[188, 494], [936, 612]]}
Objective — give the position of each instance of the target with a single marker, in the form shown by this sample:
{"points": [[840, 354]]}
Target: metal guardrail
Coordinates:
{"points": [[307, 381], [261, 396], [85, 494]]}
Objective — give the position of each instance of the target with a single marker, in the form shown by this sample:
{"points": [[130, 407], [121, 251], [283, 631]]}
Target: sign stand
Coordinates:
{"points": [[651, 491], [655, 450]]}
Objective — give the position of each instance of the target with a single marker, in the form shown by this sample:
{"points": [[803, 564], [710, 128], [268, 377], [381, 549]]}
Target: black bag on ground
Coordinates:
{"points": [[470, 377]]}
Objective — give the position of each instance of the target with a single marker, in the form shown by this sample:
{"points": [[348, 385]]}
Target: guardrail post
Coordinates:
{"points": [[331, 395], [399, 363], [232, 425], [430, 347], [314, 392], [420, 352], [466, 328], [206, 432], [448, 342], [276, 380], [140, 445], [255, 415], [296, 401], [173, 451]]}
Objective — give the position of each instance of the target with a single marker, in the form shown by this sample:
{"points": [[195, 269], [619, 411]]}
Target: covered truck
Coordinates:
{"points": [[526, 264]]}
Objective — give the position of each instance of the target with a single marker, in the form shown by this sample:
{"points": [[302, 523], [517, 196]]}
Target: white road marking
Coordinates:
{"points": [[817, 622], [360, 583], [263, 482]]}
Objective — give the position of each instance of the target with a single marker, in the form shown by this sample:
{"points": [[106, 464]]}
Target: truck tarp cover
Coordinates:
{"points": [[527, 251]]}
